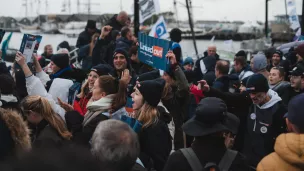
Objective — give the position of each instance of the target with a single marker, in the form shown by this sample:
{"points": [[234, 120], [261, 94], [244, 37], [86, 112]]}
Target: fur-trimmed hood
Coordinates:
{"points": [[19, 132]]}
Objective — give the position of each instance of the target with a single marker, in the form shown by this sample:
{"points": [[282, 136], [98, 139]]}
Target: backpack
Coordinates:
{"points": [[73, 91], [196, 165]]}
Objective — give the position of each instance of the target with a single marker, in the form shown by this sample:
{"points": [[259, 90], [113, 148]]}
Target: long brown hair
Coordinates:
{"points": [[147, 115], [110, 85], [42, 107]]}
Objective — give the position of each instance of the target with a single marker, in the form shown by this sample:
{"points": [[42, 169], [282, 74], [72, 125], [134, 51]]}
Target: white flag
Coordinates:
{"points": [[292, 13], [159, 29], [147, 9]]}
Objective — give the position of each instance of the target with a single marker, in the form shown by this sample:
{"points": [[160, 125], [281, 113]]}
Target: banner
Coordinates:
{"points": [[159, 29], [292, 13], [29, 45], [147, 9], [152, 51]]}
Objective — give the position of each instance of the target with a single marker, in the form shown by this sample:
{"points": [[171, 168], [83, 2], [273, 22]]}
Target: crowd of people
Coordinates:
{"points": [[117, 113]]}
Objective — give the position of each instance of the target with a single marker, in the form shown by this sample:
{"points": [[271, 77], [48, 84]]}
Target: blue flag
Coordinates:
{"points": [[152, 51]]}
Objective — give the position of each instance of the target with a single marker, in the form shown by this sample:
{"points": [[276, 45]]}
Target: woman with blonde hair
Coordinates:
{"points": [[49, 127], [154, 138]]}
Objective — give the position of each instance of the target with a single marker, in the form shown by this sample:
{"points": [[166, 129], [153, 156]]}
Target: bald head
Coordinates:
{"points": [[211, 50], [122, 18], [221, 68]]}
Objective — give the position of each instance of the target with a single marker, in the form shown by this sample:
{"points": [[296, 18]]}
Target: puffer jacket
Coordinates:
{"points": [[287, 156]]}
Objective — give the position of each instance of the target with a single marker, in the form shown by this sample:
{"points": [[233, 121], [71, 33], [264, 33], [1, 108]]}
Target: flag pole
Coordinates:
{"points": [[136, 17], [191, 27]]}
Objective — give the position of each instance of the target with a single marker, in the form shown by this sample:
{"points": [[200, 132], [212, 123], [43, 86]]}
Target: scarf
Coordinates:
{"points": [[97, 107], [57, 74]]}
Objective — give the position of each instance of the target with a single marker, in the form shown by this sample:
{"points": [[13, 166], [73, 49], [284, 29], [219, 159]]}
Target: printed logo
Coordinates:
{"points": [[158, 51]]}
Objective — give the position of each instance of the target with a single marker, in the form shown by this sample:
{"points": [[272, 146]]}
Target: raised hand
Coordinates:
{"points": [[170, 55], [65, 106], [105, 31], [20, 59]]}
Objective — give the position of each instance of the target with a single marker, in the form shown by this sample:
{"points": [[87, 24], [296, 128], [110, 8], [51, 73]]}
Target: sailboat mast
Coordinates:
{"points": [[78, 6], [191, 27], [176, 13]]}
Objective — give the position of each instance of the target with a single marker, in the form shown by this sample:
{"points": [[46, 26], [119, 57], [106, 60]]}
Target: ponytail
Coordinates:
{"points": [[42, 107]]}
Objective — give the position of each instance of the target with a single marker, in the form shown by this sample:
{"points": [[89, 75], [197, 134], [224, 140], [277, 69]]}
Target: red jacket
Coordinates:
{"points": [[80, 105], [198, 94]]}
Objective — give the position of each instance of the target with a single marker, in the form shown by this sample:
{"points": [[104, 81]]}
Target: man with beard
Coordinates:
{"points": [[122, 63], [265, 120]]}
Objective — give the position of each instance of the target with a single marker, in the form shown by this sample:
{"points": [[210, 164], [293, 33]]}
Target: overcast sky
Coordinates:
{"points": [[245, 10]]}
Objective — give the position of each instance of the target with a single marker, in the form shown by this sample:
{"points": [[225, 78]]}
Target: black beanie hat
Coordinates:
{"points": [[91, 24], [61, 60], [102, 69], [241, 53], [121, 51], [152, 90], [280, 53], [7, 85], [257, 83]]}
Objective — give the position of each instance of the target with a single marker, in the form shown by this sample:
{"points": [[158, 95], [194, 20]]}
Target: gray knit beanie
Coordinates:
{"points": [[259, 62]]}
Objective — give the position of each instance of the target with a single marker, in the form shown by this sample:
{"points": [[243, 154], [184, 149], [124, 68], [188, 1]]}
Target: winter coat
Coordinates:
{"points": [[287, 93], [264, 124], [103, 52], [209, 65], [80, 104], [14, 133], [287, 156], [35, 87], [222, 83], [246, 72], [207, 150], [96, 112], [10, 102], [44, 135], [124, 43], [84, 38], [115, 24], [83, 56], [177, 104], [155, 144], [238, 104]]}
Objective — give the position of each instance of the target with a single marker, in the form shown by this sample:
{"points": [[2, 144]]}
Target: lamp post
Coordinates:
{"points": [[266, 19]]}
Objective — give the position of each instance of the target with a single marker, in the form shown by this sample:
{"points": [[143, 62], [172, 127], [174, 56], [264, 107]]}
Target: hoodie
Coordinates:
{"points": [[264, 124], [287, 156]]}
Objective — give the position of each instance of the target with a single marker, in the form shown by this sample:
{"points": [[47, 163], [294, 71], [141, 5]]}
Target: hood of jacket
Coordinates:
{"points": [[289, 147], [19, 131], [279, 85], [274, 98]]}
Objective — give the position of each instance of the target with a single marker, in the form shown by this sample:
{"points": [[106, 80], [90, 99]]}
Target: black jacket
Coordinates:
{"points": [[155, 145], [84, 38], [287, 93], [82, 134], [238, 104], [222, 83], [177, 105], [44, 135], [210, 66], [207, 150], [264, 124], [115, 24], [99, 55]]}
